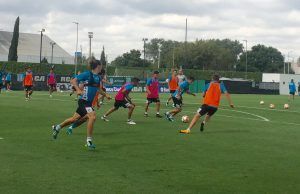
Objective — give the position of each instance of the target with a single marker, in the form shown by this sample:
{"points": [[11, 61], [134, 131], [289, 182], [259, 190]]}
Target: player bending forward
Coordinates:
{"points": [[212, 96], [92, 84], [122, 99], [177, 98]]}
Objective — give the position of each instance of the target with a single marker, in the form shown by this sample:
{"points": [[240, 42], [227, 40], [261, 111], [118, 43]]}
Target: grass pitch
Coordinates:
{"points": [[249, 149]]}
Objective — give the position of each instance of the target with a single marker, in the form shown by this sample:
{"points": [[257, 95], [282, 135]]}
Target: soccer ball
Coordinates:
{"points": [[262, 103], [185, 119], [272, 106], [286, 106]]}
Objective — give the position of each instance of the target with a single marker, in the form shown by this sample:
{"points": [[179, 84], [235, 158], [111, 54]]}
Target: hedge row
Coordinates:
{"points": [[37, 68]]}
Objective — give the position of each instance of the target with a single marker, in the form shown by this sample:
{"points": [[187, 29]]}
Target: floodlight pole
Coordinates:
{"points": [[41, 44], [91, 35], [246, 41], [76, 57], [52, 46], [144, 62]]}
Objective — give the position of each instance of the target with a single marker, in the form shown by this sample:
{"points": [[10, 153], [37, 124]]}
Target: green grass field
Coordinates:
{"points": [[249, 149]]}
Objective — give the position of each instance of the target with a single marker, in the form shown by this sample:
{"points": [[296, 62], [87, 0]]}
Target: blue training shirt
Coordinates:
{"points": [[8, 77], [184, 87], [223, 88], [89, 91], [292, 87], [1, 75]]}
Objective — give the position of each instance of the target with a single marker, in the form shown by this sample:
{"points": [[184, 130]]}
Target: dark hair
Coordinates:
{"points": [[156, 72], [94, 63], [135, 79], [102, 72], [191, 78], [216, 77]]}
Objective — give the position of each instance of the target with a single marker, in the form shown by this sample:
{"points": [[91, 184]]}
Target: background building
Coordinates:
{"points": [[29, 49]]}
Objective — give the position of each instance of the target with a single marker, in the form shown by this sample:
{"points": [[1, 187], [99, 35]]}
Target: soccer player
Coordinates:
{"points": [[8, 81], [177, 98], [152, 88], [173, 85], [292, 88], [92, 84], [28, 83], [73, 88], [51, 82], [122, 99], [181, 77], [1, 81], [212, 97], [104, 81]]}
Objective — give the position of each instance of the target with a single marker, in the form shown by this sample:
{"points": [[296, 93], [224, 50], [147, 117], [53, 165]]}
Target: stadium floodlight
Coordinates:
{"points": [[246, 41], [41, 45], [52, 46], [91, 35]]}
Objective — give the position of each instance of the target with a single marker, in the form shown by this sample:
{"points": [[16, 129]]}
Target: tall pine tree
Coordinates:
{"points": [[103, 58], [13, 49]]}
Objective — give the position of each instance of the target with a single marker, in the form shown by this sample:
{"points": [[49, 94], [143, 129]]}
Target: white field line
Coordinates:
{"points": [[1, 138]]}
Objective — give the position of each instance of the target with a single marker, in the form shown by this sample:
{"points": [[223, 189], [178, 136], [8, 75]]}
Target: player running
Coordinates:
{"points": [[152, 88], [177, 98], [51, 82], [122, 99], [104, 81], [8, 81], [212, 97], [292, 88], [173, 85], [92, 84], [1, 80], [181, 77], [28, 83]]}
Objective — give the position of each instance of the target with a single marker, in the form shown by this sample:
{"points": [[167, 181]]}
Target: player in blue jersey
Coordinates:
{"points": [[92, 84], [292, 88], [8, 81], [177, 97]]}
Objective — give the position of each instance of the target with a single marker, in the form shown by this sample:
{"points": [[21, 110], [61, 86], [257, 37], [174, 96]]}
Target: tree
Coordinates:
{"points": [[103, 58], [13, 49], [129, 59], [262, 59]]}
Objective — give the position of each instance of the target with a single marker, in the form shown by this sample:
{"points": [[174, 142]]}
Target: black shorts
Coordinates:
{"points": [[292, 93], [121, 103], [28, 88], [151, 100], [104, 89], [177, 102], [209, 110], [172, 91], [84, 107]]}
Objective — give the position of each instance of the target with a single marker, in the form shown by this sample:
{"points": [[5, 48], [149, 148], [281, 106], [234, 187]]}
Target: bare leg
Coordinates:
{"points": [[157, 107], [70, 120], [110, 111], [90, 125], [147, 107], [175, 111], [130, 111]]}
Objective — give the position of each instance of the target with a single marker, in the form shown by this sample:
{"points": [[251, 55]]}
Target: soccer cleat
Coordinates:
{"points": [[158, 116], [146, 115], [131, 122], [185, 131], [70, 130], [90, 145], [202, 127], [104, 118], [169, 117], [55, 132]]}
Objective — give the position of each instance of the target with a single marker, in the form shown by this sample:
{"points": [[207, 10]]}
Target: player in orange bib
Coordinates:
{"points": [[28, 83], [212, 96], [173, 85]]}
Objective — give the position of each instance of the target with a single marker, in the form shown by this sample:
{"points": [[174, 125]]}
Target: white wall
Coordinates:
{"points": [[271, 77], [285, 79]]}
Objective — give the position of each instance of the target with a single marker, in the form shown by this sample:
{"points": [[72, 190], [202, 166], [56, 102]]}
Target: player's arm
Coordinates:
{"points": [[74, 83], [224, 90], [190, 93], [147, 87], [103, 93]]}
